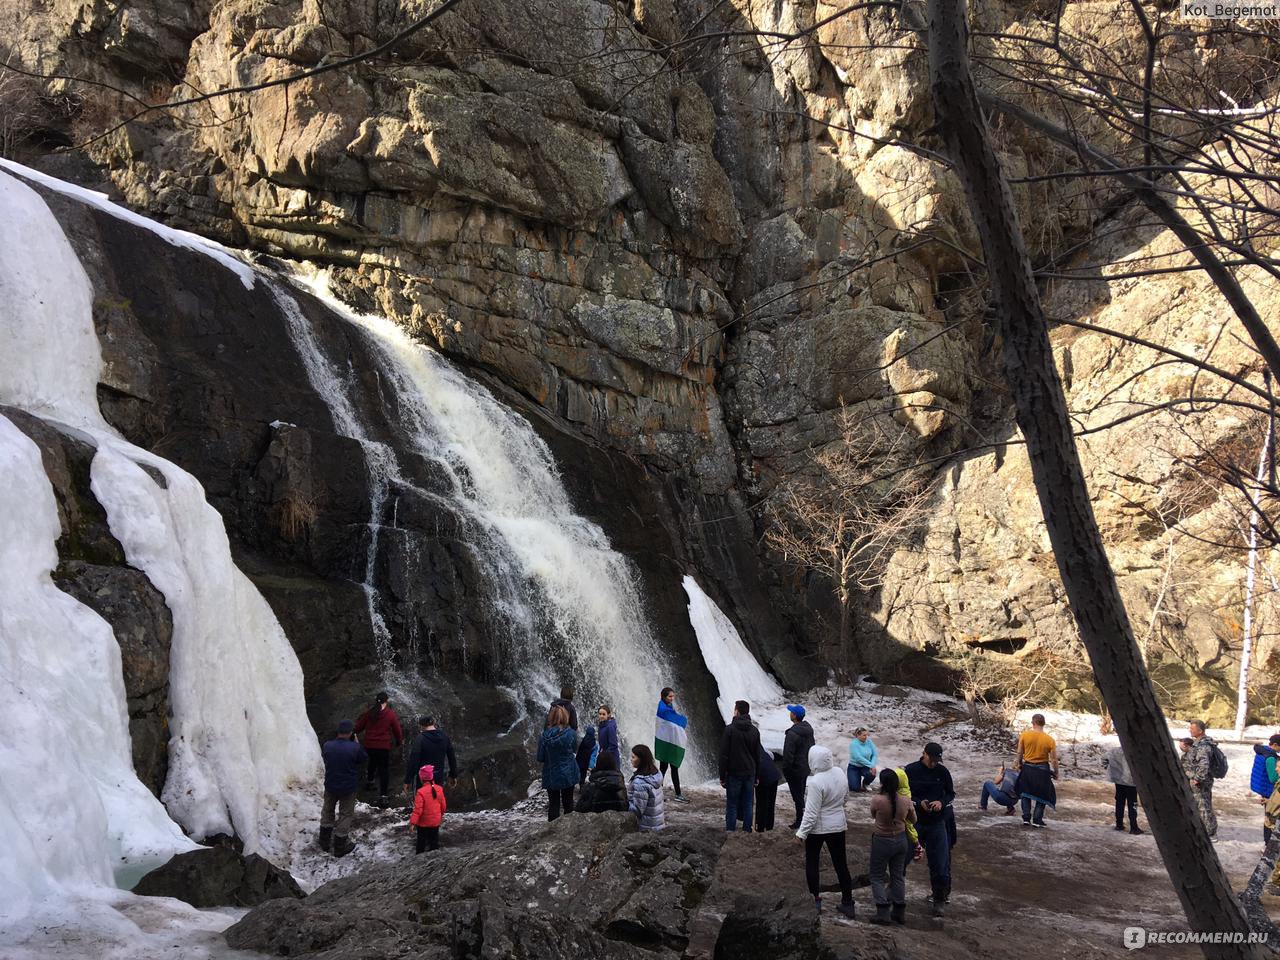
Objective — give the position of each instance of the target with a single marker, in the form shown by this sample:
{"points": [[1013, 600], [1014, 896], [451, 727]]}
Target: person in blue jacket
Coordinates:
{"points": [[607, 732], [343, 760], [862, 761], [1262, 779], [558, 754]]}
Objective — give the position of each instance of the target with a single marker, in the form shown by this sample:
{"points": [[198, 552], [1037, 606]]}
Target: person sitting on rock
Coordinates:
{"points": [[606, 790], [644, 794], [428, 810], [1003, 790], [343, 758]]}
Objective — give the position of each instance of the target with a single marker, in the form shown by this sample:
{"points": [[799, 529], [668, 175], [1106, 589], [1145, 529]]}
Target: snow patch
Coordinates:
{"points": [[737, 674], [179, 238]]}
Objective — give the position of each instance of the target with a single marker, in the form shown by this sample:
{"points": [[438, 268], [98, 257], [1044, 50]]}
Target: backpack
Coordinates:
{"points": [[1217, 762]]}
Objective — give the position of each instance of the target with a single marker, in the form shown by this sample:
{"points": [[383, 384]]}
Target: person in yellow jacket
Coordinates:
{"points": [[904, 789]]}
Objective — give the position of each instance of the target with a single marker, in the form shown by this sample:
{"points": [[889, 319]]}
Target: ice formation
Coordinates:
{"points": [[737, 673], [240, 736]]}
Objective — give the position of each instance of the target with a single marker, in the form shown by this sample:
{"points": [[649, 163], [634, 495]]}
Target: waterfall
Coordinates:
{"points": [[569, 604], [240, 744], [738, 674]]}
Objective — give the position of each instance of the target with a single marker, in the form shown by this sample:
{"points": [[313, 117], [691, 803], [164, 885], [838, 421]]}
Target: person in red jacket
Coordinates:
{"points": [[379, 730], [428, 810]]}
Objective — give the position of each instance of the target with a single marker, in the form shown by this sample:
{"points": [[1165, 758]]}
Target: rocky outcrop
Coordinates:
{"points": [[583, 885], [219, 877]]}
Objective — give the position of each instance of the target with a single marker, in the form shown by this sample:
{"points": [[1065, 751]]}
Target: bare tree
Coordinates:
{"points": [[841, 521]]}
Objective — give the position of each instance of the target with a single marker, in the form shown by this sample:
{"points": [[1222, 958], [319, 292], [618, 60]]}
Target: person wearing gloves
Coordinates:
{"points": [[862, 761], [823, 824]]}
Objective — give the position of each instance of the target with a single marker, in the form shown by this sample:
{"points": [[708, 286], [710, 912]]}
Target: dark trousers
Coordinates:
{"points": [[428, 838], [936, 840], [796, 785], [675, 774], [558, 798], [1126, 797], [766, 801], [739, 792], [813, 844], [380, 764], [859, 777], [1026, 810], [888, 868]]}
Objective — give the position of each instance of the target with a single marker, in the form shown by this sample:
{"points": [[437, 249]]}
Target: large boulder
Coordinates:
{"points": [[589, 885], [219, 877]]}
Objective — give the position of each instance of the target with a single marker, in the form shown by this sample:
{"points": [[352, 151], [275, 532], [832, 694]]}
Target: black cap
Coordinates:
{"points": [[933, 749], [382, 696]]}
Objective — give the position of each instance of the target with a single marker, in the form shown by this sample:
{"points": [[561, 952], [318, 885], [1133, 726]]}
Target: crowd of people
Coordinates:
{"points": [[911, 811]]}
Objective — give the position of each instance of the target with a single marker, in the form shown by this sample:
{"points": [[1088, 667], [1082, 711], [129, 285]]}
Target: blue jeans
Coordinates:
{"points": [[738, 797], [990, 790], [859, 777], [1026, 810]]}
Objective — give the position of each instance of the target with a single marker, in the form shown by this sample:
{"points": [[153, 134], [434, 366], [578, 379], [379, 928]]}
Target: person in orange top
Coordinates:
{"points": [[428, 810], [1038, 768]]}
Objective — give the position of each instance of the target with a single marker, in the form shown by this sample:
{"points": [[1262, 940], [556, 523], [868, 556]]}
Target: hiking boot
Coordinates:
{"points": [[1134, 830], [899, 913], [326, 838], [882, 915], [937, 906], [1120, 827], [1010, 811], [847, 909], [342, 846]]}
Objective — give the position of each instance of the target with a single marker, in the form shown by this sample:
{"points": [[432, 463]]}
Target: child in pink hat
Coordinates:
{"points": [[428, 810]]}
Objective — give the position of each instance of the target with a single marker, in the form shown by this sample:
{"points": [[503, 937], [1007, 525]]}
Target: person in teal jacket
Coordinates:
{"points": [[862, 761]]}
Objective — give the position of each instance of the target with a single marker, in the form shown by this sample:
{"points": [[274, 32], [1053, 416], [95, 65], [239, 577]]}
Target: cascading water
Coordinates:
{"points": [[569, 604], [240, 746]]}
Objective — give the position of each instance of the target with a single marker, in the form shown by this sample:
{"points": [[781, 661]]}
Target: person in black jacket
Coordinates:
{"points": [[739, 759], [566, 700], [431, 747], [343, 758], [795, 758], [606, 790], [766, 790], [932, 793]]}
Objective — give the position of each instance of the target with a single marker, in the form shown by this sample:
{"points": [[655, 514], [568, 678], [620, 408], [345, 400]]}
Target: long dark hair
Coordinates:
{"points": [[378, 702], [888, 782], [665, 691], [647, 766]]}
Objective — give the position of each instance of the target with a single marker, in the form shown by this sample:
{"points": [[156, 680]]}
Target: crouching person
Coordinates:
{"points": [[428, 810], [343, 760]]}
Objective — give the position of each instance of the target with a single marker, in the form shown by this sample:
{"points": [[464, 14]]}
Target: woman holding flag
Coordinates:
{"points": [[670, 739]]}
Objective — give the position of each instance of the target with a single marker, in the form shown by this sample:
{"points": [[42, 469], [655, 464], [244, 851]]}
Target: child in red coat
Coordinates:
{"points": [[428, 810]]}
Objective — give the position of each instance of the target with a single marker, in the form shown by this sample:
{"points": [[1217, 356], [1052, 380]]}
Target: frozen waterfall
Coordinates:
{"points": [[737, 673], [240, 742]]}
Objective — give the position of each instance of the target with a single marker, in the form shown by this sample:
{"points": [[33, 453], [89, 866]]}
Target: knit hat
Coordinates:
{"points": [[426, 773], [797, 710], [346, 726]]}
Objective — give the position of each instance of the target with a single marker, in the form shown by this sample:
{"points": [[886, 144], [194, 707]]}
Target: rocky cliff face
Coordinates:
{"points": [[697, 255]]}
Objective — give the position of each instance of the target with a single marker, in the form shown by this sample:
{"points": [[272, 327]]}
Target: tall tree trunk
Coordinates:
{"points": [[1091, 587]]}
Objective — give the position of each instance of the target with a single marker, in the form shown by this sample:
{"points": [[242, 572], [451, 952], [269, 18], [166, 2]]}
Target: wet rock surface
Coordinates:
{"points": [[219, 877]]}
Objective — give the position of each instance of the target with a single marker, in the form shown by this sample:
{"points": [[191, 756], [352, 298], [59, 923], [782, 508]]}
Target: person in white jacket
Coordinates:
{"points": [[823, 822]]}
